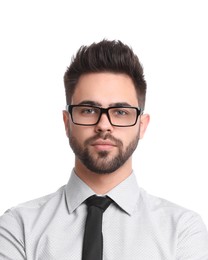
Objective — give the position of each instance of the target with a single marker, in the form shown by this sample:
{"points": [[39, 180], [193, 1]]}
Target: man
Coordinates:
{"points": [[104, 120]]}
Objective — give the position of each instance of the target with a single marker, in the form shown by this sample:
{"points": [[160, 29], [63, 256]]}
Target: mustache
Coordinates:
{"points": [[104, 136]]}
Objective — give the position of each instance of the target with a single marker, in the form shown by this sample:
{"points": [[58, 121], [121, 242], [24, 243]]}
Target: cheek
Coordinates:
{"points": [[130, 134], [81, 133]]}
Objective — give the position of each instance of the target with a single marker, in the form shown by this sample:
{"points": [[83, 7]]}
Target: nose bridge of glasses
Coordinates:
{"points": [[106, 114]]}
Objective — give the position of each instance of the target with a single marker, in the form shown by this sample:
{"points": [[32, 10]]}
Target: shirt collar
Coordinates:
{"points": [[125, 194], [77, 192]]}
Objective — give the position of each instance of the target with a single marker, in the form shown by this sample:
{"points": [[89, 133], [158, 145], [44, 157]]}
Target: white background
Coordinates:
{"points": [[37, 41]]}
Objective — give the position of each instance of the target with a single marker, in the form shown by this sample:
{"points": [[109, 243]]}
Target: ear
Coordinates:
{"points": [[144, 121], [66, 121]]}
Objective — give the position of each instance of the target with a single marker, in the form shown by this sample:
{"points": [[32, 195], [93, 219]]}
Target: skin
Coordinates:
{"points": [[105, 89]]}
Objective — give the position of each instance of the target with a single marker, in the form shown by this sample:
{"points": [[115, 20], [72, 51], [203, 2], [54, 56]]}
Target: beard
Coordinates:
{"points": [[102, 162]]}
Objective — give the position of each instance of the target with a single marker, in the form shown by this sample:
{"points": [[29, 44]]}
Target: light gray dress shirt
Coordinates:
{"points": [[137, 226]]}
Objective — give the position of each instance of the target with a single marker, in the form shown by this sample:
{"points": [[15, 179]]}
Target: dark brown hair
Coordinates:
{"points": [[105, 56]]}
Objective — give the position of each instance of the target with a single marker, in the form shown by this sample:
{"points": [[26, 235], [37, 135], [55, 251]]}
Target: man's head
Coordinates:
{"points": [[106, 56], [105, 92]]}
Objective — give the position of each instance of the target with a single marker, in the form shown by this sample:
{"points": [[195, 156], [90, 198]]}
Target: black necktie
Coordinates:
{"points": [[93, 239]]}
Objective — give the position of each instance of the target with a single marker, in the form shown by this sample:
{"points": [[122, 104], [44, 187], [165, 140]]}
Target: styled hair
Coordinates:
{"points": [[105, 56]]}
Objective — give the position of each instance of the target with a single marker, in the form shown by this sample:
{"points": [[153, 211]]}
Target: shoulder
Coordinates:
{"points": [[18, 223], [32, 208], [165, 212], [162, 206], [186, 225]]}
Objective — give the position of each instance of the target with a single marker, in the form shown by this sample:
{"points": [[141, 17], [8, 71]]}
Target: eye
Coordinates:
{"points": [[120, 112], [84, 111], [88, 111]]}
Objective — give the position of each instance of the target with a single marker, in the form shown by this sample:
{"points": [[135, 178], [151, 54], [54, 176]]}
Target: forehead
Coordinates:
{"points": [[105, 88]]}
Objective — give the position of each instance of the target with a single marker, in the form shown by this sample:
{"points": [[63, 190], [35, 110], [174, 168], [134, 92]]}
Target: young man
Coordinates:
{"points": [[104, 120]]}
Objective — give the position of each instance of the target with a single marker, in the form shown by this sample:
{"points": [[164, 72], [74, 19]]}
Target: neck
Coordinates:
{"points": [[102, 183]]}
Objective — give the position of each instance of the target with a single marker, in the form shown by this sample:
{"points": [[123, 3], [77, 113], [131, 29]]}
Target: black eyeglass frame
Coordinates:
{"points": [[69, 109]]}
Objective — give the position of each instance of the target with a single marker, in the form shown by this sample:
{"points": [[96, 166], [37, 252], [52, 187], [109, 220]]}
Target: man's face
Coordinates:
{"points": [[104, 148]]}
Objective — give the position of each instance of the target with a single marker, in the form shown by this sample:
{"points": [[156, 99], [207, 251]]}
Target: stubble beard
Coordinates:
{"points": [[102, 162]]}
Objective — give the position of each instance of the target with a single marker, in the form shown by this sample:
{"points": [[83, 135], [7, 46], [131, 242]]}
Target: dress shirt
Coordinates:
{"points": [[136, 226]]}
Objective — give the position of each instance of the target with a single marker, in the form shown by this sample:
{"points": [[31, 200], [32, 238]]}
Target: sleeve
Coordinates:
{"points": [[192, 238], [11, 238]]}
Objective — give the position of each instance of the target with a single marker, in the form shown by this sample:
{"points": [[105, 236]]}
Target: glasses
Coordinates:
{"points": [[90, 115]]}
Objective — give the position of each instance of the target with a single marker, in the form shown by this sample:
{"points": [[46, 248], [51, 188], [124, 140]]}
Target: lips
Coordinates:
{"points": [[103, 144]]}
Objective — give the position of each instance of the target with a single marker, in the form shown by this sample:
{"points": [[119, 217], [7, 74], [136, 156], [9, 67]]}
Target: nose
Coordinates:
{"points": [[103, 124]]}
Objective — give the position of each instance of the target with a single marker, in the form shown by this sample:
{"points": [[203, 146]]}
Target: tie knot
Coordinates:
{"points": [[100, 202]]}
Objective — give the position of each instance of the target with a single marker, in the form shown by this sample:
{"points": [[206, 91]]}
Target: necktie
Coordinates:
{"points": [[93, 239]]}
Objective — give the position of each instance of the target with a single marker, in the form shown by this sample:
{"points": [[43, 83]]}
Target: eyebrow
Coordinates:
{"points": [[93, 103], [89, 103]]}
